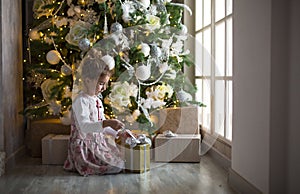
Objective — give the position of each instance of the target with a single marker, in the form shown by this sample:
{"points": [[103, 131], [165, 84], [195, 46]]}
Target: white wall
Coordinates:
{"points": [[252, 87], [265, 147], [279, 96]]}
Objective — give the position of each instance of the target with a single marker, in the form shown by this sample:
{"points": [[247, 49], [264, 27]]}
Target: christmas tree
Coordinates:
{"points": [[142, 40]]}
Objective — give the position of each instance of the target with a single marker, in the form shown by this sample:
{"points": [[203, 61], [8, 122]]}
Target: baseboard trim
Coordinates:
{"points": [[239, 184], [11, 160]]}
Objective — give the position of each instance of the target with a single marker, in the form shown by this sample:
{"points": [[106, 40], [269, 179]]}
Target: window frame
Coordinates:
{"points": [[213, 77]]}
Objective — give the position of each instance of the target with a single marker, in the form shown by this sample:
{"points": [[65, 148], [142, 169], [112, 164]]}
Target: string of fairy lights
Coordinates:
{"points": [[57, 58]]}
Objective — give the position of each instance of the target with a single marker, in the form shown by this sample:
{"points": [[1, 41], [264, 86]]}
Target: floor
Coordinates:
{"points": [[30, 176]]}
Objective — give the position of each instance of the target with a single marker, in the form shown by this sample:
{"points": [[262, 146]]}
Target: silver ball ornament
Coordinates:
{"points": [[161, 8], [84, 44], [184, 96], [155, 51], [66, 70], [183, 30], [116, 28]]}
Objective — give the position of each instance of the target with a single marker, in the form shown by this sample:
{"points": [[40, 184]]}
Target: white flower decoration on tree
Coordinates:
{"points": [[153, 22], [156, 95], [151, 103], [47, 87], [120, 94], [164, 90], [127, 8], [145, 3], [77, 32]]}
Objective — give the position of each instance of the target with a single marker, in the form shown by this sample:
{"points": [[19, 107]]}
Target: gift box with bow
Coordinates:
{"points": [[137, 154]]}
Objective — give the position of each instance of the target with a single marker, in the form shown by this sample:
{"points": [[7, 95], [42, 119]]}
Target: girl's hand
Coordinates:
{"points": [[123, 134], [113, 123]]}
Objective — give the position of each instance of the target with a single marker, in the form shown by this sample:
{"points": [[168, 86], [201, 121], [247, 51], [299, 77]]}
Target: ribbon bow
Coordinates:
{"points": [[133, 141]]}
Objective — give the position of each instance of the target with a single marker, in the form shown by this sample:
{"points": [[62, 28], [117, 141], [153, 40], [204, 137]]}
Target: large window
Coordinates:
{"points": [[213, 74]]}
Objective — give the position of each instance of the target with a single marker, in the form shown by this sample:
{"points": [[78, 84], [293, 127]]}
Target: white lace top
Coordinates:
{"points": [[88, 114]]}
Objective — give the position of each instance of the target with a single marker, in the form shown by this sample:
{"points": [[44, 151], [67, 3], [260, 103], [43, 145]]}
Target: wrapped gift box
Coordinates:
{"points": [[37, 129], [54, 149], [181, 120], [137, 159], [181, 148]]}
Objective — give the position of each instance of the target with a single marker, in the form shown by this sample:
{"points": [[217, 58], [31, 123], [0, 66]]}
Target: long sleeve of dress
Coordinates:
{"points": [[85, 116], [89, 117]]}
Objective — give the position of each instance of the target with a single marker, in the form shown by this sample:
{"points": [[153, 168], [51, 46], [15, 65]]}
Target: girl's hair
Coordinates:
{"points": [[93, 67]]}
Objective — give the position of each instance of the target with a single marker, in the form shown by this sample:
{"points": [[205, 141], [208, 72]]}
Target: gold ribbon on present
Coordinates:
{"points": [[137, 154]]}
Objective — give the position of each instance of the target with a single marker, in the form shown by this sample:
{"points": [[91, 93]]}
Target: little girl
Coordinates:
{"points": [[89, 152]]}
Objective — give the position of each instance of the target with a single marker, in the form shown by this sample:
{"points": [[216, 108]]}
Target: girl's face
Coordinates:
{"points": [[102, 84]]}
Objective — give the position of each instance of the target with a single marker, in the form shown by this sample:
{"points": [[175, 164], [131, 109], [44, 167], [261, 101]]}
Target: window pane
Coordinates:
{"points": [[198, 15], [199, 98], [199, 93], [229, 111], [229, 54], [219, 9], [207, 52], [219, 107], [220, 49], [207, 12], [198, 55], [207, 102], [229, 7]]}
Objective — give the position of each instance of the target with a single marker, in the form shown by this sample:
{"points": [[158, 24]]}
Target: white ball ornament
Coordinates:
{"points": [[145, 49], [109, 61], [143, 72], [53, 57]]}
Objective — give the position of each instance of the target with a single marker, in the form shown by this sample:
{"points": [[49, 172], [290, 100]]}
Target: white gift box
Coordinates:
{"points": [[181, 148], [55, 149], [39, 128], [181, 120]]}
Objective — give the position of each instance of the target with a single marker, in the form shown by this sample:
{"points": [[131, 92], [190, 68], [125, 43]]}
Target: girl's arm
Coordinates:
{"points": [[82, 118]]}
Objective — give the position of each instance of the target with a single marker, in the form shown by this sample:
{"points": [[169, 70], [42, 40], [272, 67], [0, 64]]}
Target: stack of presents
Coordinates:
{"points": [[177, 140]]}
